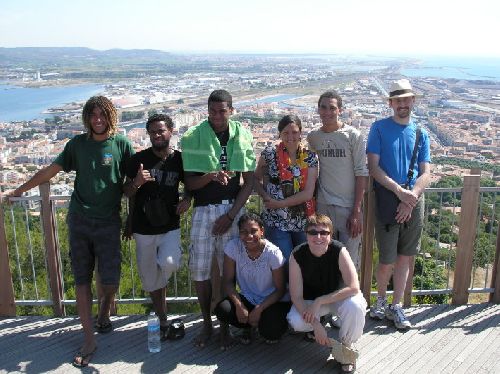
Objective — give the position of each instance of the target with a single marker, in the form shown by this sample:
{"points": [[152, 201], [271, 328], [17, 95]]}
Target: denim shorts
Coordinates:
{"points": [[91, 239]]}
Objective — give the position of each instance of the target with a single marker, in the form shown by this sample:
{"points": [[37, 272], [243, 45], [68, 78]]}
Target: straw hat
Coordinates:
{"points": [[401, 88]]}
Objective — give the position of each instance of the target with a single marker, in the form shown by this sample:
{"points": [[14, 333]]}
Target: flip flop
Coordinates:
{"points": [[84, 359]]}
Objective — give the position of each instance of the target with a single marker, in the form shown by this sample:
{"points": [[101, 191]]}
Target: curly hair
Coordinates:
{"points": [[332, 94], [158, 117], [109, 111]]}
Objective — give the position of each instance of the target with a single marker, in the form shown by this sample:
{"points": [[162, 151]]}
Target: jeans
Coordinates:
{"points": [[286, 241]]}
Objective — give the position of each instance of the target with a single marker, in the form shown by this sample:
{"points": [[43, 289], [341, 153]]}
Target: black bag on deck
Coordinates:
{"points": [[387, 201]]}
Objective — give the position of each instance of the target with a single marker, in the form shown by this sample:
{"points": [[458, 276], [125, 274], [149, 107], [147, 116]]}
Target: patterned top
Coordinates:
{"points": [[290, 218]]}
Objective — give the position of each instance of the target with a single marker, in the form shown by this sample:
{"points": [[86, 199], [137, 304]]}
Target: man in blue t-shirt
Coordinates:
{"points": [[389, 150]]}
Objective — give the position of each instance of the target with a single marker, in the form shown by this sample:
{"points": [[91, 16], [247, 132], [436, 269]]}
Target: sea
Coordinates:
{"points": [[24, 104], [459, 68]]}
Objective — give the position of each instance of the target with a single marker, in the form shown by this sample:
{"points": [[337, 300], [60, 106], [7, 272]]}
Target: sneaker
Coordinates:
{"points": [[330, 319], [395, 313], [378, 310]]}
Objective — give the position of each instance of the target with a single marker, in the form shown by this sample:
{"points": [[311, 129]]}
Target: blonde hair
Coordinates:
{"points": [[108, 109]]}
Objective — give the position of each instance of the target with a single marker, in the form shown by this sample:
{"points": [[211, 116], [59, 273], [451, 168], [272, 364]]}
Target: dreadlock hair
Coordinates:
{"points": [[108, 109]]}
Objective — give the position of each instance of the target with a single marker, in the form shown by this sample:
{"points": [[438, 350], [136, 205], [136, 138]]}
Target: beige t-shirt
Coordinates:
{"points": [[342, 157]]}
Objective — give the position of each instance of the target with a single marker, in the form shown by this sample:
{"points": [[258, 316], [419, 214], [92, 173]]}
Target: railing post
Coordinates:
{"points": [[367, 242], [466, 236], [495, 276], [52, 252], [7, 299]]}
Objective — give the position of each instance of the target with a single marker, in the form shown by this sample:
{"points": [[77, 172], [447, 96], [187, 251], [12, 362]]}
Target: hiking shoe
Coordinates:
{"points": [[395, 313], [378, 310]]}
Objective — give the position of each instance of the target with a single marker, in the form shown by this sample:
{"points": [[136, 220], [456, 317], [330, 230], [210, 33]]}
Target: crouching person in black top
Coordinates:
{"points": [[319, 269]]}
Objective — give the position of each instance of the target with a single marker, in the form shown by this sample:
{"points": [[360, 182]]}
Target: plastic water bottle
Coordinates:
{"points": [[154, 344]]}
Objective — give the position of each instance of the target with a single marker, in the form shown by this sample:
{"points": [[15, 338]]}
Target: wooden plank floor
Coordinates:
{"points": [[445, 339]]}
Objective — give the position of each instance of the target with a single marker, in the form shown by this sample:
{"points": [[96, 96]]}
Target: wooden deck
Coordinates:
{"points": [[445, 339]]}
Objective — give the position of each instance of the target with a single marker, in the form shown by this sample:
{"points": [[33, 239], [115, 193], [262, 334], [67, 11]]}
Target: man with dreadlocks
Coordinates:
{"points": [[99, 158]]}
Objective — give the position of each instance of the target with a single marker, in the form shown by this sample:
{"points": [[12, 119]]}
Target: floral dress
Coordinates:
{"points": [[290, 218]]}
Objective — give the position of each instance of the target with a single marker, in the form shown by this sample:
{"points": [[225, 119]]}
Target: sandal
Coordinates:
{"points": [[103, 327], [344, 368], [164, 332], [84, 359], [246, 336], [176, 330]]}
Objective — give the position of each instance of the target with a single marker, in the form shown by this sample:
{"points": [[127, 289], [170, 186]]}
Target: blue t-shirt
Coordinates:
{"points": [[394, 144]]}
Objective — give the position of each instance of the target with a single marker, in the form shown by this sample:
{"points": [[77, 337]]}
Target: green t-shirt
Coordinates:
{"points": [[100, 170]]}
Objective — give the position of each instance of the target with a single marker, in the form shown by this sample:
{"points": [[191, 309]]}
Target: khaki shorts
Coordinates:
{"points": [[204, 245], [158, 256], [403, 239]]}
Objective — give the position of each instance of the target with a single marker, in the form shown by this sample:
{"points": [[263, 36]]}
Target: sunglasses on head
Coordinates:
{"points": [[320, 232]]}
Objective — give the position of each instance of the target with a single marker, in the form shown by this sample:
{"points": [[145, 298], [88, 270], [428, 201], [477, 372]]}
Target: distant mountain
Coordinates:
{"points": [[75, 56]]}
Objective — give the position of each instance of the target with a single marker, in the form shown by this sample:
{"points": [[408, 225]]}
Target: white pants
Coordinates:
{"points": [[158, 256], [350, 311]]}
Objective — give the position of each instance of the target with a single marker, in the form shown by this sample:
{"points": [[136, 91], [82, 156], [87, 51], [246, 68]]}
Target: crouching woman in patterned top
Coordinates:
{"points": [[319, 269], [257, 266]]}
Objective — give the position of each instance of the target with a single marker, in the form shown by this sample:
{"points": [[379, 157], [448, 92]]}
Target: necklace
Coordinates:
{"points": [[256, 256]]}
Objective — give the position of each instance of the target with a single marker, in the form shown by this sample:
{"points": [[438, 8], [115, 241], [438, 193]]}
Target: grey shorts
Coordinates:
{"points": [[91, 239], [404, 239]]}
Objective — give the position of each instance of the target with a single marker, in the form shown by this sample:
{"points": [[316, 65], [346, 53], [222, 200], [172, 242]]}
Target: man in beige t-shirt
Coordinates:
{"points": [[343, 174]]}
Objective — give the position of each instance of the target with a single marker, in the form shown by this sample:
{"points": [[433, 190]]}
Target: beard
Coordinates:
{"points": [[104, 131], [161, 146]]}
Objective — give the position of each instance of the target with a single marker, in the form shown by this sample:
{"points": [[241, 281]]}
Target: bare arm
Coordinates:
{"points": [[279, 283], [306, 194], [354, 222], [260, 173], [224, 222], [42, 176], [423, 179], [229, 281], [296, 285], [132, 185]]}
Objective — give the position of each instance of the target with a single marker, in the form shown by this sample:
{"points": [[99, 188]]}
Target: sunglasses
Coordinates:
{"points": [[320, 232]]}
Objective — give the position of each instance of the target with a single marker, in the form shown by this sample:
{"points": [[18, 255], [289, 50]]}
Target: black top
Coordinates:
{"points": [[169, 190], [320, 275], [214, 192]]}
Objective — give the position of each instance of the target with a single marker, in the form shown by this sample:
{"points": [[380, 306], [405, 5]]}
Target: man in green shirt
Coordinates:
{"points": [[98, 157]]}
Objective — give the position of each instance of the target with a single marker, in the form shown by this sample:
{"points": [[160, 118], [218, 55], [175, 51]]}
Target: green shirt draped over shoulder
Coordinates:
{"points": [[100, 171], [201, 149]]}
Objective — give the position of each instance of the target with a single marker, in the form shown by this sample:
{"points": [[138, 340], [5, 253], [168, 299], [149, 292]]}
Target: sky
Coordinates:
{"points": [[381, 27]]}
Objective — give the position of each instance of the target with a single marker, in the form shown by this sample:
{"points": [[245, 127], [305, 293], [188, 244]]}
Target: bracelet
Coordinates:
{"points": [[228, 216]]}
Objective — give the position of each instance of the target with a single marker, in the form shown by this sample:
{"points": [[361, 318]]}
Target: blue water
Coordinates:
{"points": [[24, 104], [267, 99], [459, 68]]}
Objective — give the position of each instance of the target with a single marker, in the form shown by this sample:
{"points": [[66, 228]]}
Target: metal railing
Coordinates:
{"points": [[459, 248]]}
